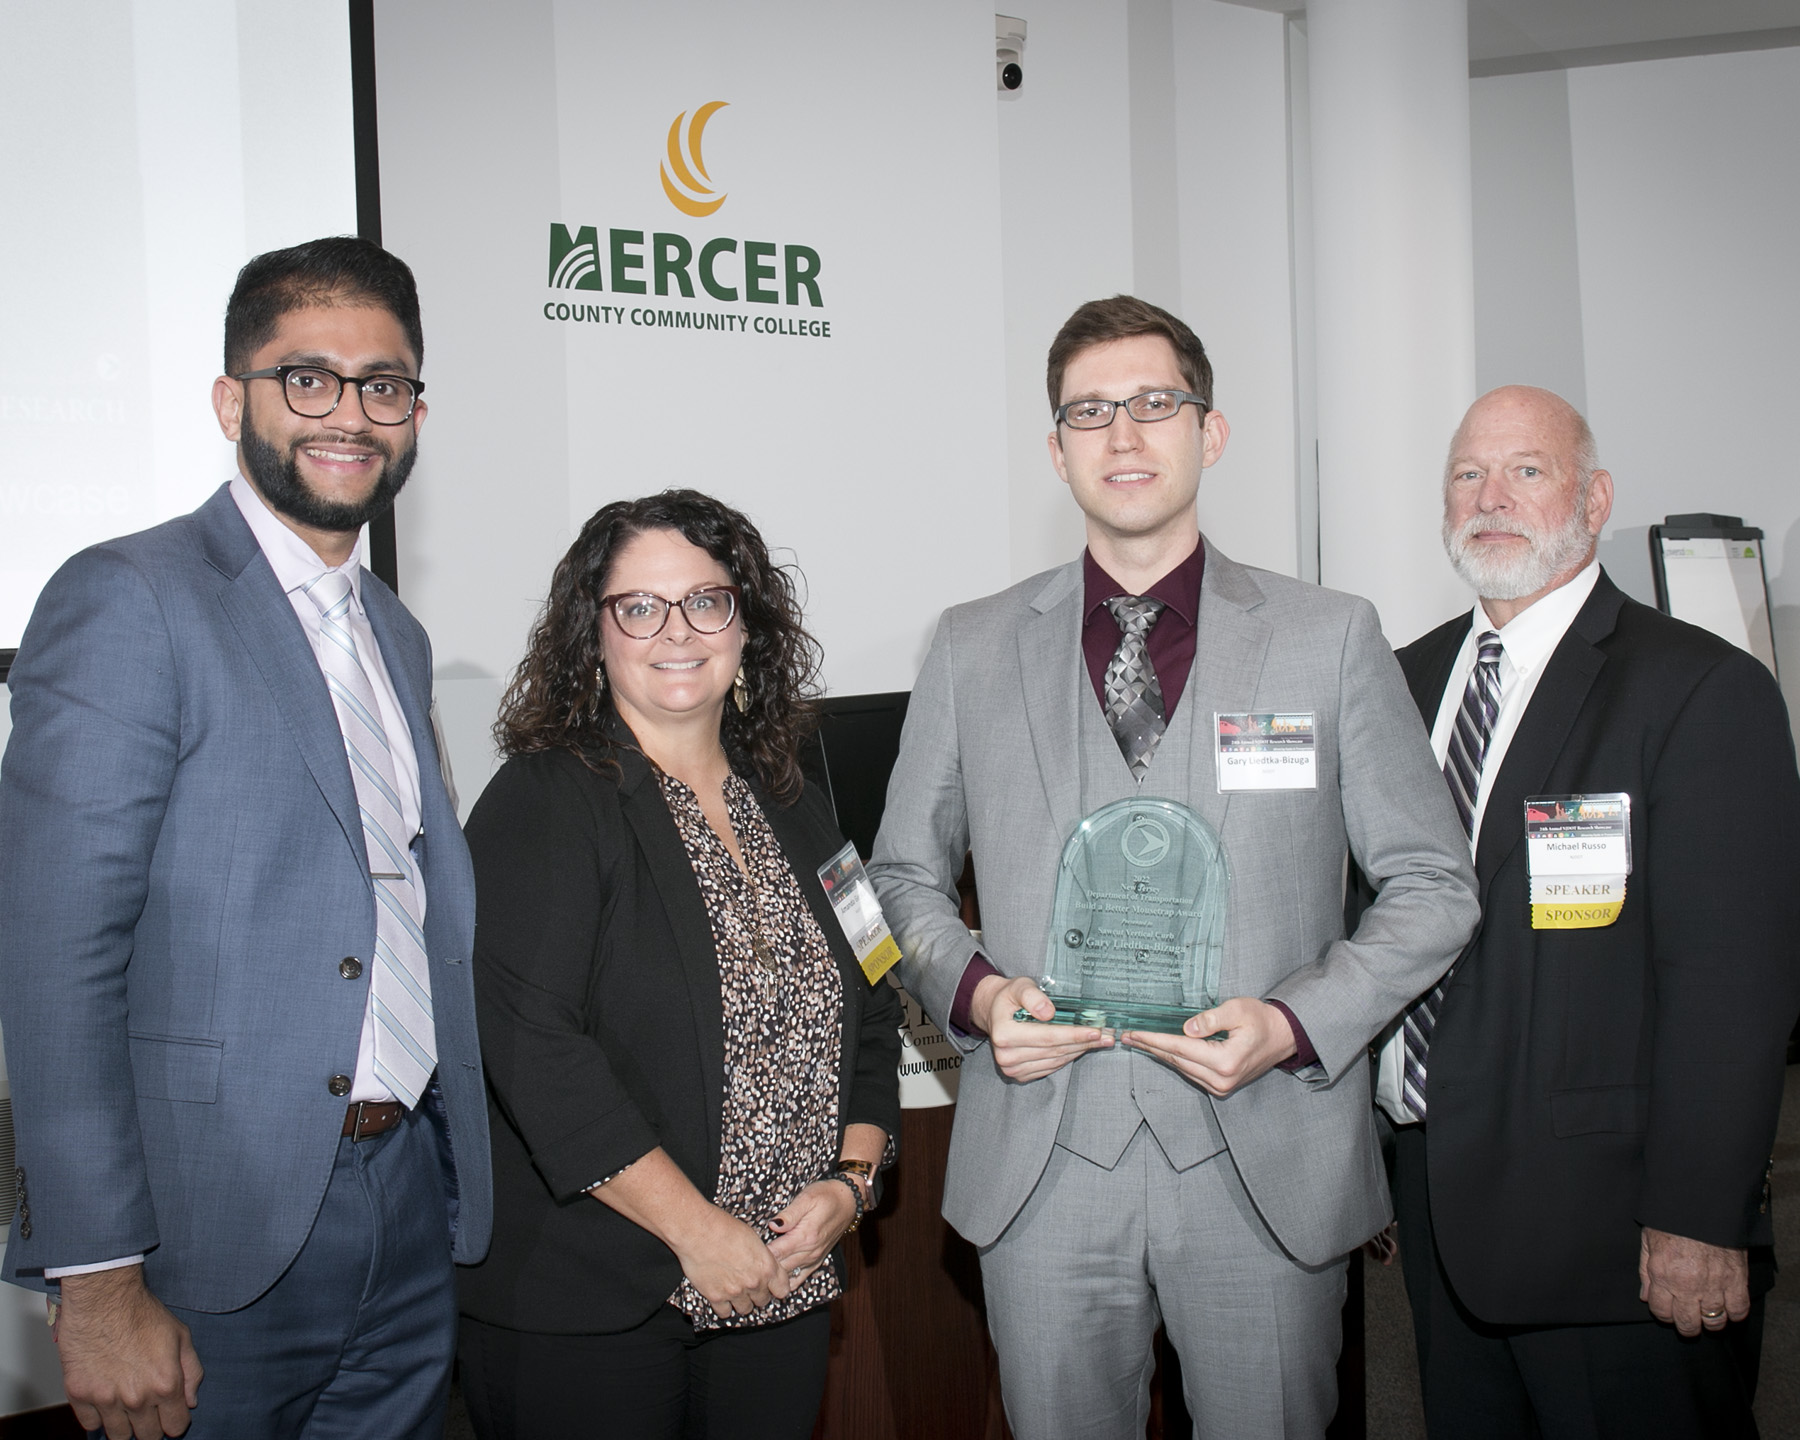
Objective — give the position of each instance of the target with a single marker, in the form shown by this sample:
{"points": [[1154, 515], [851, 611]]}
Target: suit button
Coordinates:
{"points": [[339, 1085], [350, 968]]}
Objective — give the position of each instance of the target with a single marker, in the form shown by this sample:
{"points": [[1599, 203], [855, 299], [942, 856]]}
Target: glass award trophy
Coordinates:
{"points": [[1138, 929]]}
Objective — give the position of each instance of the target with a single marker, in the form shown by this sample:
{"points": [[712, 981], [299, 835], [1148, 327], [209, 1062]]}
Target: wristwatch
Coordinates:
{"points": [[867, 1173]]}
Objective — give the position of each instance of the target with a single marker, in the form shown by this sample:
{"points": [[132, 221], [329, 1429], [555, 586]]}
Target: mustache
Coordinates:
{"points": [[364, 444], [1493, 525]]}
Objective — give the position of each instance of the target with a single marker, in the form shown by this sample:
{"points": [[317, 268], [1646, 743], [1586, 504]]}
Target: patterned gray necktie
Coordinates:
{"points": [[1462, 772], [1134, 702]]}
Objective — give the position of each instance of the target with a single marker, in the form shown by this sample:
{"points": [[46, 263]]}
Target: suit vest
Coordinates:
{"points": [[1112, 1092]]}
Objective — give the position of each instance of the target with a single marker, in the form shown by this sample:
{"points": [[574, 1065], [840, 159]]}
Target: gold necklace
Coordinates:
{"points": [[760, 947], [754, 931]]}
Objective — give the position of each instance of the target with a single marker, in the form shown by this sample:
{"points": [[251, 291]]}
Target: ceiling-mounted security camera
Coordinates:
{"points": [[1009, 50]]}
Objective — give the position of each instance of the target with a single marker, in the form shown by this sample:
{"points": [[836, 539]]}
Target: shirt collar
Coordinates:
{"points": [[1535, 631], [291, 558], [1179, 589]]}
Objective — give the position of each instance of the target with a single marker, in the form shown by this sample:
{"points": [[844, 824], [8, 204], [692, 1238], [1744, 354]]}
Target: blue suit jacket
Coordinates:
{"points": [[181, 872]]}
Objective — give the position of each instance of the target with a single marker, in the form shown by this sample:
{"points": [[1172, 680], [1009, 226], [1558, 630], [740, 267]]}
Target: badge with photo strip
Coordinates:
{"points": [[1266, 750], [1578, 853], [859, 912]]}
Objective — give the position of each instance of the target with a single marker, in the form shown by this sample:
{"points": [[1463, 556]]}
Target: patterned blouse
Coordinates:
{"points": [[783, 1003]]}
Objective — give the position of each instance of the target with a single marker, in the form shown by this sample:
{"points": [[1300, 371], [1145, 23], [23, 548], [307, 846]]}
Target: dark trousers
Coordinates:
{"points": [[661, 1381], [356, 1337], [1635, 1381]]}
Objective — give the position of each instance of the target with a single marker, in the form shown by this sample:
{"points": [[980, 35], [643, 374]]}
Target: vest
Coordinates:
{"points": [[1112, 1092]]}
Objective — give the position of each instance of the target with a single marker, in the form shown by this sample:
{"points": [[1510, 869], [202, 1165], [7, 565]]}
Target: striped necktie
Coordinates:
{"points": [[400, 981], [1462, 772], [1134, 701]]}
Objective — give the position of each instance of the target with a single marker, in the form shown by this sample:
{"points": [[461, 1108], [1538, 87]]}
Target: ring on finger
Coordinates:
{"points": [[1718, 1314]]}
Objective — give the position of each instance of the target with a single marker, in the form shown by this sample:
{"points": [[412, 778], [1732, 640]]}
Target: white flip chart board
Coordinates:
{"points": [[1711, 575]]}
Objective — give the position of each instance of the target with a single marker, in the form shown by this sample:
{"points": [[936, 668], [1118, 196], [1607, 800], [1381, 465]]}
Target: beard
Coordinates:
{"points": [[1512, 577], [278, 478]]}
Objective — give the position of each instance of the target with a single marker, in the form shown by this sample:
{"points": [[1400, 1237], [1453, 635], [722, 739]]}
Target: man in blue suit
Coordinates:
{"points": [[236, 915]]}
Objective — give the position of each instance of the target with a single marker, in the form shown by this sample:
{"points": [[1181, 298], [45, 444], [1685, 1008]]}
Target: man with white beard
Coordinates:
{"points": [[1583, 1109]]}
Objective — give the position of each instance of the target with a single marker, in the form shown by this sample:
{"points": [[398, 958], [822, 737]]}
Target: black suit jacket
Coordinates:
{"points": [[1584, 1083], [597, 992]]}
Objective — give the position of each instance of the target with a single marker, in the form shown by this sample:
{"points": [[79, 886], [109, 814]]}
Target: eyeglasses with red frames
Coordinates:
{"points": [[642, 615]]}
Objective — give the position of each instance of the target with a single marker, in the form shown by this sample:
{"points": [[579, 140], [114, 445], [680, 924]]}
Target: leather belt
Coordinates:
{"points": [[368, 1118]]}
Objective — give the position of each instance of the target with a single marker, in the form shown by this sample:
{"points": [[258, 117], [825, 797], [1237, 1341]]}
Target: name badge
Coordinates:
{"points": [[1266, 751], [859, 912], [1578, 853]]}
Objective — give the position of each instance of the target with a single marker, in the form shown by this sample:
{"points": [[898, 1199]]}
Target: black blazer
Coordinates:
{"points": [[1584, 1083], [597, 993]]}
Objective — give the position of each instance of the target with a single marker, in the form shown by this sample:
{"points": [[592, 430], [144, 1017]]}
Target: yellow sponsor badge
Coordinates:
{"points": [[1578, 851], [859, 912]]}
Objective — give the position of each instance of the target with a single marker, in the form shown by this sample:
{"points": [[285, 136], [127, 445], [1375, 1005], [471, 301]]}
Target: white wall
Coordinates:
{"points": [[875, 457], [1236, 281], [1147, 153], [1660, 198], [159, 158], [1066, 228]]}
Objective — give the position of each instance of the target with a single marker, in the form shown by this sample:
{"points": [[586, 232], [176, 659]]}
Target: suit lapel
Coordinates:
{"points": [[1054, 679], [1426, 664], [641, 801], [1543, 731], [277, 645], [1231, 644]]}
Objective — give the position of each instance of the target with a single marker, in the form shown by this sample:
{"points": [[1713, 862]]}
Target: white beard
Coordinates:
{"points": [[1514, 576]]}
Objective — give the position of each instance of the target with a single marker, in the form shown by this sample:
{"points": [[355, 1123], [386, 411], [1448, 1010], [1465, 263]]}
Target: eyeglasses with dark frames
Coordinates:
{"points": [[642, 615], [313, 392], [1146, 409]]}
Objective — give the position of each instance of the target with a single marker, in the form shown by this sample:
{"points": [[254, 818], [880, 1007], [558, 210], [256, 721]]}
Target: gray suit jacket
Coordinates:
{"points": [[988, 762], [181, 872]]}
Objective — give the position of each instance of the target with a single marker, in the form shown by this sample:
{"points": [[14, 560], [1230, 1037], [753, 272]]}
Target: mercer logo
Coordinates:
{"points": [[574, 259], [689, 187], [759, 272], [655, 262]]}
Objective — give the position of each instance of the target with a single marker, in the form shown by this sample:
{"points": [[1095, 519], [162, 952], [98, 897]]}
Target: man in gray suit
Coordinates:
{"points": [[236, 914], [1215, 1180]]}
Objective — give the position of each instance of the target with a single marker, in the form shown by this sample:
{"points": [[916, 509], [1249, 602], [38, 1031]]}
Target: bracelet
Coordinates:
{"points": [[855, 1193]]}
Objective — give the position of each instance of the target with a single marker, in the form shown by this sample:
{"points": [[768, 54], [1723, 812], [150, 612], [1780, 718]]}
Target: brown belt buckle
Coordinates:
{"points": [[368, 1118]]}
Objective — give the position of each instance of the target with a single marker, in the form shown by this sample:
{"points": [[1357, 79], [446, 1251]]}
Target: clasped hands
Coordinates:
{"points": [[1256, 1038], [737, 1273]]}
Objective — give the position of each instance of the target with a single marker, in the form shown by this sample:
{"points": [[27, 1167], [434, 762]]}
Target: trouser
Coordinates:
{"points": [[356, 1337], [660, 1381], [1095, 1258], [1630, 1381]]}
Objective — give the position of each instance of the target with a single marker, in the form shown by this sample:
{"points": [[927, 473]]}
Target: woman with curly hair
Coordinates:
{"points": [[691, 1085]]}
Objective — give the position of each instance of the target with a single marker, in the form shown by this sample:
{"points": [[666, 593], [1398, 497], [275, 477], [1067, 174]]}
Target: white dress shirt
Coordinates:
{"points": [[1527, 643], [295, 566]]}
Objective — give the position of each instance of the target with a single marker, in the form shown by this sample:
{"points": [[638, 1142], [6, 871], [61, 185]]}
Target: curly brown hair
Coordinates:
{"points": [[554, 700]]}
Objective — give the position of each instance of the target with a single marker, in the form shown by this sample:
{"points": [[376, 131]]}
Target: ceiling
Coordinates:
{"points": [[1509, 36]]}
